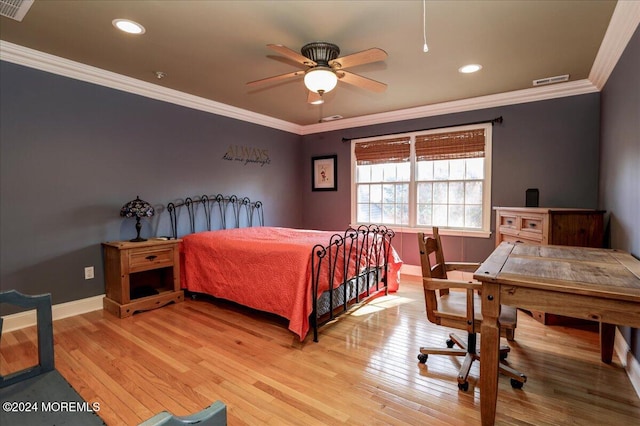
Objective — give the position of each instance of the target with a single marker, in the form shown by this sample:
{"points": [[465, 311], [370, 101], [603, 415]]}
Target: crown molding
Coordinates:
{"points": [[542, 93], [21, 55], [624, 21]]}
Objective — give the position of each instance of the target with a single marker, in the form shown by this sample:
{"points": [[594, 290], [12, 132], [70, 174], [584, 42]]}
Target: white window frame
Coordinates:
{"points": [[485, 232]]}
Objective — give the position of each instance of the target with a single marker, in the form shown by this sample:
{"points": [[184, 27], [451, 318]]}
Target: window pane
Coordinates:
{"points": [[363, 193], [363, 213], [456, 169], [440, 215], [473, 216], [456, 216], [402, 193], [403, 214], [388, 193], [375, 215], [375, 193], [473, 192], [424, 214], [388, 213], [363, 173], [456, 192], [377, 172], [390, 173], [475, 168], [441, 170], [404, 172], [440, 192], [424, 170], [425, 192]]}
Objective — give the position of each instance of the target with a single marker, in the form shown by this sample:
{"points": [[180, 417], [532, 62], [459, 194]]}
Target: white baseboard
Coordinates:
{"points": [[59, 311], [415, 270], [629, 362]]}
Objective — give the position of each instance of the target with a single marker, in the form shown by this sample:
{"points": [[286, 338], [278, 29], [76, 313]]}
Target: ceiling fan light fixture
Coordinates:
{"points": [[320, 79]]}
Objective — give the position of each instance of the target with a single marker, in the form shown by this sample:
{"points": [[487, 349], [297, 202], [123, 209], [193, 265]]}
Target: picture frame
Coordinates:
{"points": [[324, 175]]}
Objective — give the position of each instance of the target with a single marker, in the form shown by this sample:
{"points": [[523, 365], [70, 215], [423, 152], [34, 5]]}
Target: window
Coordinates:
{"points": [[423, 179]]}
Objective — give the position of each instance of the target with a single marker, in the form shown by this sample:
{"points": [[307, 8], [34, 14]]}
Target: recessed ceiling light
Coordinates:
{"points": [[467, 69], [128, 26]]}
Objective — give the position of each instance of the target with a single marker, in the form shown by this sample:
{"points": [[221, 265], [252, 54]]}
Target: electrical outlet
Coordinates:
{"points": [[88, 273]]}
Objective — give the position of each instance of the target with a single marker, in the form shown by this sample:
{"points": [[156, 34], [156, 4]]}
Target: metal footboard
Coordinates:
{"points": [[355, 264]]}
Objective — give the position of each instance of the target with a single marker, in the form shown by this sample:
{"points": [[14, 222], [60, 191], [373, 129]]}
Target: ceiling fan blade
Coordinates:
{"points": [[360, 81], [366, 56], [291, 54], [314, 98], [275, 78]]}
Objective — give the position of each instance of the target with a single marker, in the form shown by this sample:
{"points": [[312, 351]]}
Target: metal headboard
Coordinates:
{"points": [[253, 212]]}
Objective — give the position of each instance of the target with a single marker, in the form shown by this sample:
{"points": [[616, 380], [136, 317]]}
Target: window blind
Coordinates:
{"points": [[450, 145], [395, 150]]}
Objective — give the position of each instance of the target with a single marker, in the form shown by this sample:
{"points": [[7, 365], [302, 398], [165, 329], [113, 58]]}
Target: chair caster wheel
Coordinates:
{"points": [[464, 386], [503, 356], [450, 343], [422, 358], [516, 384]]}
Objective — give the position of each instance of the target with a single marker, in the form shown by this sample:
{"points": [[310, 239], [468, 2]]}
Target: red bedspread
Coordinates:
{"points": [[265, 268]]}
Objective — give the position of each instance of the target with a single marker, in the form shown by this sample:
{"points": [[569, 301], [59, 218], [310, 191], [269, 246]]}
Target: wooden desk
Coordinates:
{"points": [[590, 283]]}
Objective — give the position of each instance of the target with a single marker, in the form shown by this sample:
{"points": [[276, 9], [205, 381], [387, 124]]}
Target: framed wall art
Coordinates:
{"points": [[324, 173]]}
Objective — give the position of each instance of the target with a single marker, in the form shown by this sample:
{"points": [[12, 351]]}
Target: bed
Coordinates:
{"points": [[309, 277]]}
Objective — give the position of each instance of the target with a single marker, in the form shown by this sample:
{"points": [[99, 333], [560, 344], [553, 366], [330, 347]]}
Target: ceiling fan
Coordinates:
{"points": [[325, 68]]}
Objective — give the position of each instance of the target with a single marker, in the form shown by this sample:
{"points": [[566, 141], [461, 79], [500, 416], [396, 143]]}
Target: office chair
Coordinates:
{"points": [[457, 309]]}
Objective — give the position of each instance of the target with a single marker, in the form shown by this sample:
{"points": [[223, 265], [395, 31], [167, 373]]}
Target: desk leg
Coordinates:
{"points": [[607, 337], [490, 353]]}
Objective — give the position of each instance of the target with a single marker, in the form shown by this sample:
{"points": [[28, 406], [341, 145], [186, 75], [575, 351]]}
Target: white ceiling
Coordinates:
{"points": [[210, 49]]}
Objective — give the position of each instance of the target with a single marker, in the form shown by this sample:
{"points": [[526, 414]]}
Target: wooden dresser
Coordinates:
{"points": [[541, 225], [555, 226]]}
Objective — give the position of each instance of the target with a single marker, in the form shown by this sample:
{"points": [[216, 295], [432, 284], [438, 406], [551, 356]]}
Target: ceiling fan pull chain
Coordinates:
{"points": [[425, 48], [320, 92]]}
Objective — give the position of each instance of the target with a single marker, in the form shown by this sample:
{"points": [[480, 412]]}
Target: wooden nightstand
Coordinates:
{"points": [[141, 276]]}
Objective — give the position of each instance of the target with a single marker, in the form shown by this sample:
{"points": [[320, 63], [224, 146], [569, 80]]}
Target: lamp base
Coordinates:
{"points": [[138, 239]]}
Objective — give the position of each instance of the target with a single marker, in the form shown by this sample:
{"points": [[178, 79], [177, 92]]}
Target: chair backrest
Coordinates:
{"points": [[450, 310], [431, 255], [433, 266], [42, 304]]}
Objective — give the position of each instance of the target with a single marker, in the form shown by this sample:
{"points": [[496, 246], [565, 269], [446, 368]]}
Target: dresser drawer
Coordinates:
{"points": [[141, 260], [531, 224], [508, 222], [512, 238]]}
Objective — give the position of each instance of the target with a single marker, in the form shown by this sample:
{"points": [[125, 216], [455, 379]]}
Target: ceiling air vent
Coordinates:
{"points": [[551, 80], [331, 118], [15, 9]]}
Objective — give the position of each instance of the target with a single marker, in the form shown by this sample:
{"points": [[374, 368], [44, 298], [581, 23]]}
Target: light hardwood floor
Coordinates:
{"points": [[363, 371]]}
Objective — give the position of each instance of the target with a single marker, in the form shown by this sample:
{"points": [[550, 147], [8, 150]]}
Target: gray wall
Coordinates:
{"points": [[620, 159], [73, 153], [551, 145]]}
